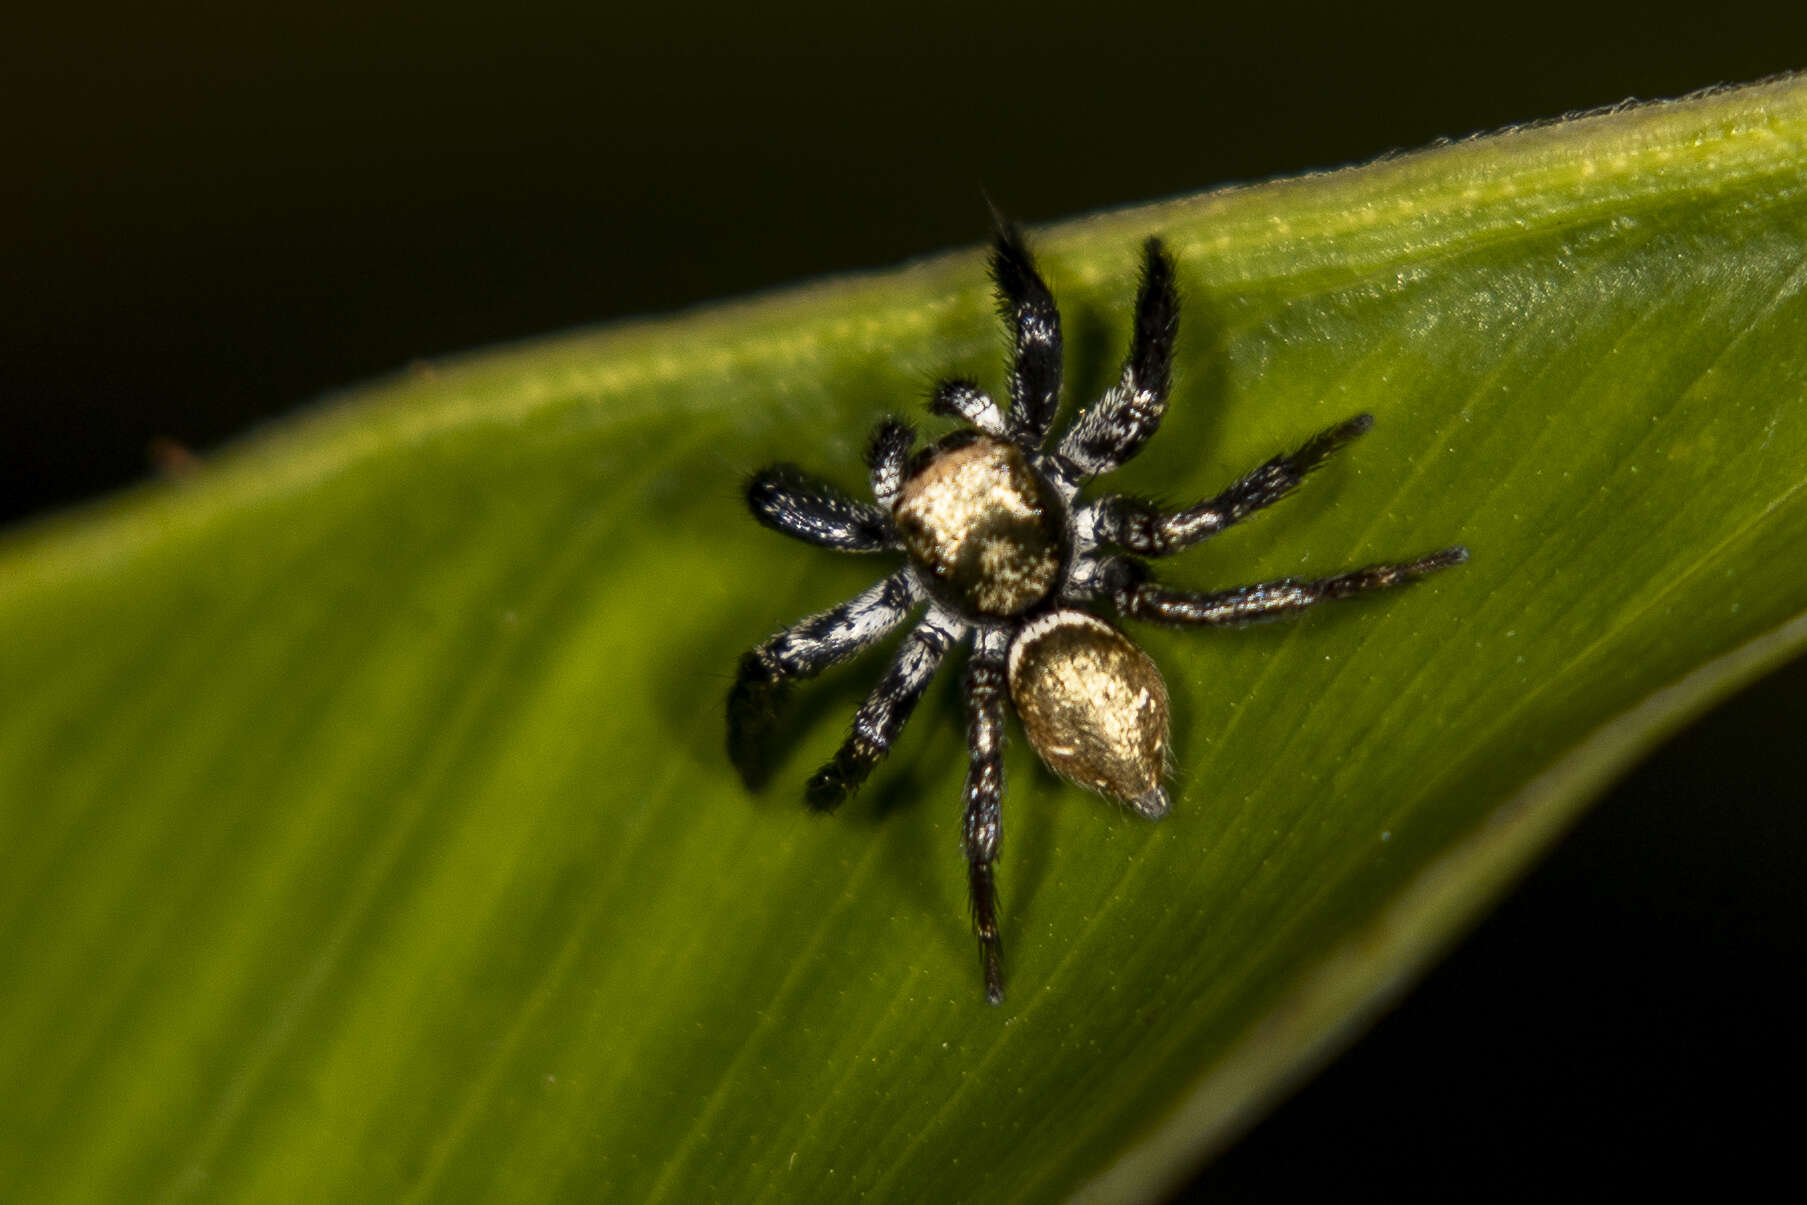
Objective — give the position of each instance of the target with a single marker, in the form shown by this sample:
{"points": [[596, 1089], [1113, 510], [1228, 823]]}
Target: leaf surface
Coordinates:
{"points": [[369, 833]]}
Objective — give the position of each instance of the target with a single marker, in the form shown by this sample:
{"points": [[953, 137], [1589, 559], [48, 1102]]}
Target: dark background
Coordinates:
{"points": [[210, 217]]}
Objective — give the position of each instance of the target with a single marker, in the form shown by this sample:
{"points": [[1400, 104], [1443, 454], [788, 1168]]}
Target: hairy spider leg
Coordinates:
{"points": [[1263, 601], [1140, 527], [1114, 429], [963, 399], [884, 713], [983, 826], [804, 650], [1028, 309], [888, 457], [786, 499]]}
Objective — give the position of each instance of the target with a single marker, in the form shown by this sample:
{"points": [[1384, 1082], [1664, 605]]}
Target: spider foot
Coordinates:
{"points": [[1324, 444], [993, 954], [1437, 560], [835, 783], [1384, 577], [985, 925]]}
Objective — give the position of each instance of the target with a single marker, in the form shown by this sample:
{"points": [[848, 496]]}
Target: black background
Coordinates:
{"points": [[211, 216]]}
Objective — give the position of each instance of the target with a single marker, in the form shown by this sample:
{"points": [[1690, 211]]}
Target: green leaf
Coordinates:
{"points": [[369, 835]]}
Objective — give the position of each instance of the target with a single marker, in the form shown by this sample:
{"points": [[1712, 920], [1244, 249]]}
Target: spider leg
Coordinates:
{"points": [[1140, 598], [786, 499], [802, 651], [1138, 526], [1119, 423], [888, 456], [983, 825], [963, 399], [885, 712], [1028, 307]]}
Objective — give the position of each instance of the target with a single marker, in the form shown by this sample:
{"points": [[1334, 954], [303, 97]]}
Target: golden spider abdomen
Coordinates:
{"points": [[1094, 707], [987, 533]]}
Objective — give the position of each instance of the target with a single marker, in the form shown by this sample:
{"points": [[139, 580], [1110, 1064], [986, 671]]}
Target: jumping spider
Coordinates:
{"points": [[999, 551]]}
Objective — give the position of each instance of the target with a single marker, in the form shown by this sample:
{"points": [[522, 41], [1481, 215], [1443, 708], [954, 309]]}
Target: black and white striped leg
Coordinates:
{"points": [[1143, 599], [963, 399], [1115, 428], [884, 713], [802, 651], [1140, 527], [786, 499], [983, 826], [1035, 364], [888, 456]]}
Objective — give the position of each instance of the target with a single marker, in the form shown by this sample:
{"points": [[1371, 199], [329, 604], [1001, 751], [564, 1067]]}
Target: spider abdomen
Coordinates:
{"points": [[986, 533], [1093, 706]]}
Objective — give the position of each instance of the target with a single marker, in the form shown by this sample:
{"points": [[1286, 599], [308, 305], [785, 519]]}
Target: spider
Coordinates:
{"points": [[998, 551]]}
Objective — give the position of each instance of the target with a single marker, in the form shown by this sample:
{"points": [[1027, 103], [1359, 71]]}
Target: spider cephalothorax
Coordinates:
{"points": [[999, 550]]}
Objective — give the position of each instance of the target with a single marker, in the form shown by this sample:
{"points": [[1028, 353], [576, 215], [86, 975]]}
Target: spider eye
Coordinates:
{"points": [[1094, 707]]}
